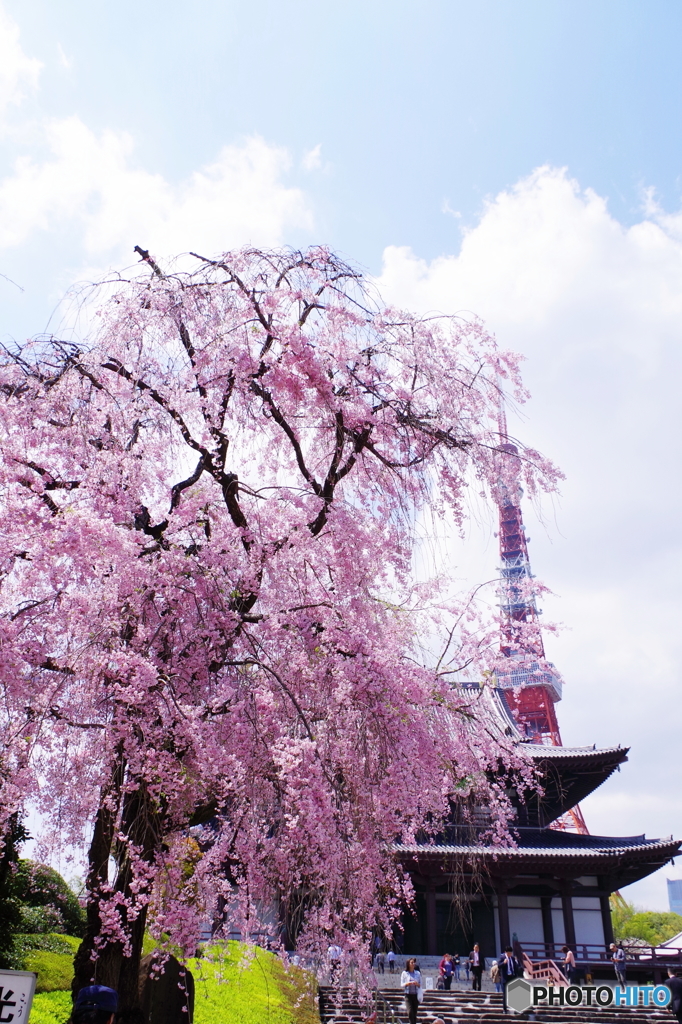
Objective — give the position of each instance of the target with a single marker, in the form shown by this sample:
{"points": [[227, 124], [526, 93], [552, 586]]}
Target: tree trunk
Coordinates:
{"points": [[87, 970], [140, 824]]}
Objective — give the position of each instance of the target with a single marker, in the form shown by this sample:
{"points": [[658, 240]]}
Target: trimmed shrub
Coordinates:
{"points": [[54, 970], [51, 943], [40, 920], [38, 886], [51, 1008]]}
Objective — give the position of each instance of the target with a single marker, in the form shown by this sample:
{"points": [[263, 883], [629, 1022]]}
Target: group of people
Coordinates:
{"points": [[508, 967], [504, 969], [382, 958], [452, 965]]}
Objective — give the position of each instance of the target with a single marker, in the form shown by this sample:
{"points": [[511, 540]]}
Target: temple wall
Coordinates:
{"points": [[558, 922], [525, 919], [589, 927]]}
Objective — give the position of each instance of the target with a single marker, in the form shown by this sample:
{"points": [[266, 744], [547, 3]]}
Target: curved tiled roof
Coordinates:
{"points": [[543, 752], [545, 842]]}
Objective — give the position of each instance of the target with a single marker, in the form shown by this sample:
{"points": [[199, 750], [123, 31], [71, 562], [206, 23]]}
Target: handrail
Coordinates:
{"points": [[544, 970], [385, 1006], [596, 953], [381, 1011]]}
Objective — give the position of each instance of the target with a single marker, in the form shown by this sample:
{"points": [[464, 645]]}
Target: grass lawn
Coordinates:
{"points": [[237, 986], [233, 985]]}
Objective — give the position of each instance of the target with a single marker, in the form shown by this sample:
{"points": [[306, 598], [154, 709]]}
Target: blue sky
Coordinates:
{"points": [[521, 160]]}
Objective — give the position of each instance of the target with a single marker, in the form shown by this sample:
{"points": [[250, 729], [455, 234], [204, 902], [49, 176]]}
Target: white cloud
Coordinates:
{"points": [[312, 159], [17, 71], [64, 61], [596, 306], [92, 183], [446, 208]]}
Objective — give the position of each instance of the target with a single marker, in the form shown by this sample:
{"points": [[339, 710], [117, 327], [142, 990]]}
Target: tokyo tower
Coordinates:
{"points": [[530, 684]]}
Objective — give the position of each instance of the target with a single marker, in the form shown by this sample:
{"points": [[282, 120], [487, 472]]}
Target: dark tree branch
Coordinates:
{"points": [[144, 253], [49, 482], [177, 489], [115, 366], [59, 717], [51, 665], [279, 419], [143, 522]]}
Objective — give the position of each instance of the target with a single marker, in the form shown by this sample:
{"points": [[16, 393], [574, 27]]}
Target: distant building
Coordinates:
{"points": [[675, 895]]}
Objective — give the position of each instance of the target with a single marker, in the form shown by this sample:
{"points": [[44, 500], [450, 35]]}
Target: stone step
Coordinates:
{"points": [[471, 1007]]}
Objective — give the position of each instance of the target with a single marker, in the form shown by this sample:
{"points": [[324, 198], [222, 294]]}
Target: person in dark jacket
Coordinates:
{"points": [[510, 968], [674, 983]]}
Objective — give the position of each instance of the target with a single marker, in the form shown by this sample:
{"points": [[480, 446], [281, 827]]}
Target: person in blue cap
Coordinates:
{"points": [[95, 1004]]}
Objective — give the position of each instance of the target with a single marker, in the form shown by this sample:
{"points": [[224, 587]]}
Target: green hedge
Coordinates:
{"points": [[51, 1008], [47, 904], [54, 970], [50, 943]]}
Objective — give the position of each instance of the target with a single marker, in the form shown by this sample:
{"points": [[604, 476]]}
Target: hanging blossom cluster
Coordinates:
{"points": [[210, 634]]}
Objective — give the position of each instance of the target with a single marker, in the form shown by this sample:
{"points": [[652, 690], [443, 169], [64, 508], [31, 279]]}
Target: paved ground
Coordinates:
{"points": [[429, 969]]}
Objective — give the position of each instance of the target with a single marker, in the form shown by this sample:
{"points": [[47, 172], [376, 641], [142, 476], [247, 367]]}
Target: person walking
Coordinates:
{"points": [[456, 966], [410, 982], [509, 968], [674, 983], [381, 962], [445, 969], [334, 954], [570, 970], [476, 965], [495, 976], [391, 960], [618, 957]]}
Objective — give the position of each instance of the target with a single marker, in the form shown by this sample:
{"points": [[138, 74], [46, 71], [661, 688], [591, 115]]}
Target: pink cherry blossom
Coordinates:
{"points": [[215, 663]]}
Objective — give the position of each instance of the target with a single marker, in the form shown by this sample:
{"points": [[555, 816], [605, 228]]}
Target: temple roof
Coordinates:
{"points": [[549, 841], [545, 751], [567, 774], [624, 858]]}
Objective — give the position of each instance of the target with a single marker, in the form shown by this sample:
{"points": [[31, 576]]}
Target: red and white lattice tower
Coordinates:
{"points": [[530, 683]]}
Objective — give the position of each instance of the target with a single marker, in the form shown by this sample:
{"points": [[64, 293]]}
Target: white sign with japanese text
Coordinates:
{"points": [[17, 989]]}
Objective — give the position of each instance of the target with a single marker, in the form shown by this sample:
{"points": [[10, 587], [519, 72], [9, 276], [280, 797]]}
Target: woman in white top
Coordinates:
{"points": [[410, 982], [570, 969]]}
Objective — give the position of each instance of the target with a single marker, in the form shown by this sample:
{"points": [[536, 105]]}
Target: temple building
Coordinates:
{"points": [[553, 885]]}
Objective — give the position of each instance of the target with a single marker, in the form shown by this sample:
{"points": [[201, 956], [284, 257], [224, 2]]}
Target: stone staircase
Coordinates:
{"points": [[470, 1007]]}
